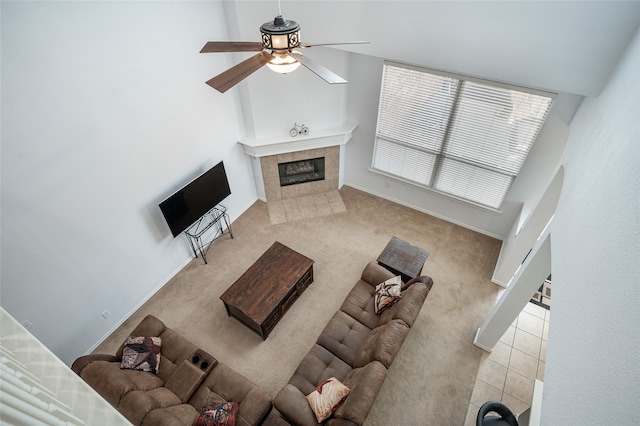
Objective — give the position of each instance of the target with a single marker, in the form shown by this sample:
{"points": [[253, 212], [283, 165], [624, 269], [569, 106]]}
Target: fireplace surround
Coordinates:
{"points": [[301, 184], [267, 152]]}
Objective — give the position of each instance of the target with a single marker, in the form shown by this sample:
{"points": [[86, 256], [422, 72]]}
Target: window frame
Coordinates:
{"points": [[440, 155]]}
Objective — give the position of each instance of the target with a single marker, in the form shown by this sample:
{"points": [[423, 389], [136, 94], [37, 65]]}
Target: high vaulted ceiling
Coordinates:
{"points": [[562, 46]]}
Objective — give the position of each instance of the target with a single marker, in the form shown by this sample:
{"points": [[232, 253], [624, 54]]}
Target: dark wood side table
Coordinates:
{"points": [[262, 295], [403, 258]]}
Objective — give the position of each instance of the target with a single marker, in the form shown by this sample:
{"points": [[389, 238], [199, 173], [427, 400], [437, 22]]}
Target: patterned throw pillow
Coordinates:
{"points": [[141, 353], [218, 415], [387, 293], [327, 397]]}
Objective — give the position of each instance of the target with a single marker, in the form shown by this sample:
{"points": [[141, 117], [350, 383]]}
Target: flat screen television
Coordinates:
{"points": [[191, 202]]}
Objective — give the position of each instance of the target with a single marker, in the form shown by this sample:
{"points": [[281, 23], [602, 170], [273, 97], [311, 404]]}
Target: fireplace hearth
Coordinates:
{"points": [[302, 171]]}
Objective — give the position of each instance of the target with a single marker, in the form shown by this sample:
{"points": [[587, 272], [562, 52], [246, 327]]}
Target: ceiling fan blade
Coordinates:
{"points": [[322, 72], [333, 44], [231, 46], [234, 75]]}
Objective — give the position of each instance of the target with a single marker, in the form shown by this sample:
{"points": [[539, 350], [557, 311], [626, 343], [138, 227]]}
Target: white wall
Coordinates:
{"points": [[279, 101], [592, 374], [104, 114]]}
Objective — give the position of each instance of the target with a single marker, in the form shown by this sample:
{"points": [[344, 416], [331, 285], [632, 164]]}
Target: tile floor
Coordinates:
{"points": [[508, 373], [309, 206]]}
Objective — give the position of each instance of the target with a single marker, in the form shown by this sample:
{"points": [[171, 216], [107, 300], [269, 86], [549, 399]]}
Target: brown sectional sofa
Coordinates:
{"points": [[357, 347], [188, 378]]}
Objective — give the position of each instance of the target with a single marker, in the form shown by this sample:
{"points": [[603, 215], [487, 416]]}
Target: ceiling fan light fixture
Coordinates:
{"points": [[279, 38], [283, 63], [280, 34]]}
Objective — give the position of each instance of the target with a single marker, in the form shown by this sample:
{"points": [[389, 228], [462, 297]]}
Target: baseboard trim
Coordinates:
{"points": [[498, 282], [439, 216], [475, 342]]}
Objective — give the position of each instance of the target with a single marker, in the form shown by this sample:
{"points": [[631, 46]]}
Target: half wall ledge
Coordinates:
{"points": [[272, 145]]}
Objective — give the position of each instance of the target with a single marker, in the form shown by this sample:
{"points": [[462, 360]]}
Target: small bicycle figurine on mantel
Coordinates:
{"points": [[301, 129]]}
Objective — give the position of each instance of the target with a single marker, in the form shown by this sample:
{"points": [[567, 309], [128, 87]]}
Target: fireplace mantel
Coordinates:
{"points": [[323, 138]]}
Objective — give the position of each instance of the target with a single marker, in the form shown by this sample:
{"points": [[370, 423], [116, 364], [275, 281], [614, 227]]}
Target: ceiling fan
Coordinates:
{"points": [[279, 38]]}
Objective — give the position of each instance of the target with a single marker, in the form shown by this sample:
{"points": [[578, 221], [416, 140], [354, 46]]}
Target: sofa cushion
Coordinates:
{"points": [[327, 397], [387, 293], [141, 353], [382, 344], [110, 381], [317, 366], [135, 405], [293, 406], [408, 307], [343, 335], [359, 304], [223, 414], [185, 380], [177, 415]]}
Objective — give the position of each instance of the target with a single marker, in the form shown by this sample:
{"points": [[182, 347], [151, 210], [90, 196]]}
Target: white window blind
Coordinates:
{"points": [[464, 138]]}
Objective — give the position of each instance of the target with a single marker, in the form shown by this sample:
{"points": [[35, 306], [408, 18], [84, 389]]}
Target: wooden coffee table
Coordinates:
{"points": [[262, 295], [403, 258]]}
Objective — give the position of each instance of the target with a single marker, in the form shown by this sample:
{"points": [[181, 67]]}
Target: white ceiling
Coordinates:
{"points": [[562, 46]]}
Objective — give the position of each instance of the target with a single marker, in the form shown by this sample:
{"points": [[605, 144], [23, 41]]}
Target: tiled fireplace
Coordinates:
{"points": [[268, 153]]}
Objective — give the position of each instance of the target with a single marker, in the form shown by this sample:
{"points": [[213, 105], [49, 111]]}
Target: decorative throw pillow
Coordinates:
{"points": [[387, 293], [141, 353], [218, 415], [327, 397]]}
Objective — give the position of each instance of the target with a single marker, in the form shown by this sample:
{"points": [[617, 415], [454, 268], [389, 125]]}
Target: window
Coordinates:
{"points": [[462, 137]]}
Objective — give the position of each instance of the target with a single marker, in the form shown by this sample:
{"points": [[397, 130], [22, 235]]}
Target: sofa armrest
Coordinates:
{"points": [[365, 383], [408, 307], [80, 363], [382, 344], [294, 406], [375, 274], [423, 279]]}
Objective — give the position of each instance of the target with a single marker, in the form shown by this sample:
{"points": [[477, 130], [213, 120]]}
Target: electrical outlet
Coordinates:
{"points": [[105, 314], [27, 324]]}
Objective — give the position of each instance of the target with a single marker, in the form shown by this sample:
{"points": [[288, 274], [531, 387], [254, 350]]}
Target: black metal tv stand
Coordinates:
{"points": [[216, 218]]}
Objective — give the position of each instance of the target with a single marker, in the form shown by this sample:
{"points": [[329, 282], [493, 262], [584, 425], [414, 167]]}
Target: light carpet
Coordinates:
{"points": [[431, 379]]}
